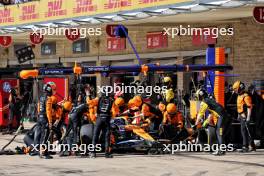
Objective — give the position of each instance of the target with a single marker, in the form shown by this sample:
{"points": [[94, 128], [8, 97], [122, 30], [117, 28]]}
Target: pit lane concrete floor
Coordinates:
{"points": [[180, 164]]}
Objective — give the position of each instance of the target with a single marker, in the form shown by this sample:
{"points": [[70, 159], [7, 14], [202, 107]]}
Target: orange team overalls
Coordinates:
{"points": [[59, 114], [175, 120], [56, 110], [49, 112], [91, 114], [243, 101], [142, 110], [162, 107], [115, 111], [147, 114], [133, 108], [117, 107], [139, 124]]}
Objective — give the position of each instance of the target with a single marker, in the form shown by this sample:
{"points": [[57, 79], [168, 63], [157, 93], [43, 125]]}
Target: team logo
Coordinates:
{"points": [[258, 14], [6, 87]]}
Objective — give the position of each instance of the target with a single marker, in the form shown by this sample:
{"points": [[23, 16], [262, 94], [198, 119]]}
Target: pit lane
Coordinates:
{"points": [[180, 164]]}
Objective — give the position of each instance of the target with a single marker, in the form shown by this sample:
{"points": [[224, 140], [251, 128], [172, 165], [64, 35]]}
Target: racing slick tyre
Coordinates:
{"points": [[86, 133], [29, 136]]}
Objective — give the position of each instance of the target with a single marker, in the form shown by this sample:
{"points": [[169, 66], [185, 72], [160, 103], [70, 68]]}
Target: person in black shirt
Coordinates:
{"points": [[104, 115]]}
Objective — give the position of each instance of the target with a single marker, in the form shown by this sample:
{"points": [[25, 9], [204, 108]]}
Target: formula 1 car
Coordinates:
{"points": [[124, 137]]}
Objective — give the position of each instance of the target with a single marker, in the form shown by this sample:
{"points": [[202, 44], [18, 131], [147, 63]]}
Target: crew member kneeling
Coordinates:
{"points": [[172, 122]]}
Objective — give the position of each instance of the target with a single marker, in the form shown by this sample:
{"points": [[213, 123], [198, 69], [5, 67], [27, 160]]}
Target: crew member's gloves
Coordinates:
{"points": [[243, 116], [50, 126], [205, 123], [248, 119], [161, 127], [56, 123], [179, 126], [197, 126]]}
